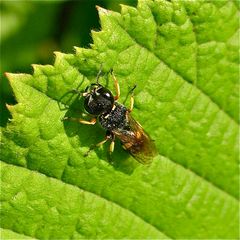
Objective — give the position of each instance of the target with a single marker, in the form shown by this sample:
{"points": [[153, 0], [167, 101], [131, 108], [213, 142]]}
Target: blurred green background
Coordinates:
{"points": [[31, 30]]}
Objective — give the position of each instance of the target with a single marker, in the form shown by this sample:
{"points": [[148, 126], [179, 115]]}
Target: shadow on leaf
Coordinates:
{"points": [[89, 135]]}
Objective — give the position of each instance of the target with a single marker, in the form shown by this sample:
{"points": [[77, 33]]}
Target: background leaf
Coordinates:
{"points": [[50, 26], [186, 67]]}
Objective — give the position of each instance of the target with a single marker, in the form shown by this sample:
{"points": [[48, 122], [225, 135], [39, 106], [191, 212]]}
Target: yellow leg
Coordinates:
{"points": [[111, 148], [116, 84], [97, 145], [132, 100], [131, 104], [79, 120]]}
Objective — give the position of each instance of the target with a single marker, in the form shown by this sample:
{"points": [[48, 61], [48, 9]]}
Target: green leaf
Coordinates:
{"points": [[183, 58], [8, 234], [71, 212]]}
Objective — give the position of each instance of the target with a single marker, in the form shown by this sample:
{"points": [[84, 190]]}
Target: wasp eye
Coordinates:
{"points": [[99, 101], [105, 93]]}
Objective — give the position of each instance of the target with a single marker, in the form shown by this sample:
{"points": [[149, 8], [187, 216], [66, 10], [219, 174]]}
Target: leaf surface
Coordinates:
{"points": [[185, 66]]}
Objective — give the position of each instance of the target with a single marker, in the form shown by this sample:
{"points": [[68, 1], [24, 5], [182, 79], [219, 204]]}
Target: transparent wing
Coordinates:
{"points": [[136, 141]]}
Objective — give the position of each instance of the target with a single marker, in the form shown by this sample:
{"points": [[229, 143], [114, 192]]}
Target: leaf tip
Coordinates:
{"points": [[122, 5], [7, 75], [76, 49], [57, 53], [58, 57], [9, 107], [10, 76], [34, 66], [102, 10], [37, 68]]}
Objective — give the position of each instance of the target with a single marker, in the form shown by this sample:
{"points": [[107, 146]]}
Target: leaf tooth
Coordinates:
{"points": [[80, 51], [85, 52], [9, 107], [10, 76], [88, 60], [94, 32], [94, 35], [36, 69], [125, 7], [107, 17], [128, 9], [39, 69], [16, 80], [17, 76], [77, 49], [58, 54], [98, 39], [59, 58], [102, 10]]}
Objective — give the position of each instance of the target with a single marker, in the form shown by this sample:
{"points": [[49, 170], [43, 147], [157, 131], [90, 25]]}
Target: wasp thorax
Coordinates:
{"points": [[98, 100]]}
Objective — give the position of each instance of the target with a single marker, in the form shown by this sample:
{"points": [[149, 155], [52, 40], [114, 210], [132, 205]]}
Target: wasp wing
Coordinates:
{"points": [[136, 141]]}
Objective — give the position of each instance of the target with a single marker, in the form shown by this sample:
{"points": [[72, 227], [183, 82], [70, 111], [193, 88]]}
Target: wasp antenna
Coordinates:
{"points": [[76, 91], [99, 73], [133, 88]]}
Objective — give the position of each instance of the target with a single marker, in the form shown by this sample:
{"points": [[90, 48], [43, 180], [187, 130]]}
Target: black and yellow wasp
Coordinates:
{"points": [[116, 119]]}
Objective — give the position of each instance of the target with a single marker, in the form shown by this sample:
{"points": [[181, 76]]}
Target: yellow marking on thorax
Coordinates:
{"points": [[111, 110], [113, 107]]}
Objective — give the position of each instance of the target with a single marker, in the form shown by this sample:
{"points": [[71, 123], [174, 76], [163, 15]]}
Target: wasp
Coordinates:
{"points": [[116, 119]]}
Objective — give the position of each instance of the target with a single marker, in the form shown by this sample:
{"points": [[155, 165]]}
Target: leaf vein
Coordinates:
{"points": [[19, 233], [101, 197], [205, 179], [177, 73], [211, 100]]}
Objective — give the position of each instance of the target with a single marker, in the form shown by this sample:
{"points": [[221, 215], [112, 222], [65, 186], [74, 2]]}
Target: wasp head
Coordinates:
{"points": [[98, 99]]}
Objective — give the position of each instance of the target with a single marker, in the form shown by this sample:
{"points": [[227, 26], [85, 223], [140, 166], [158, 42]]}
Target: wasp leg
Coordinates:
{"points": [[79, 120], [111, 149], [116, 84], [132, 99], [75, 91], [107, 137]]}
